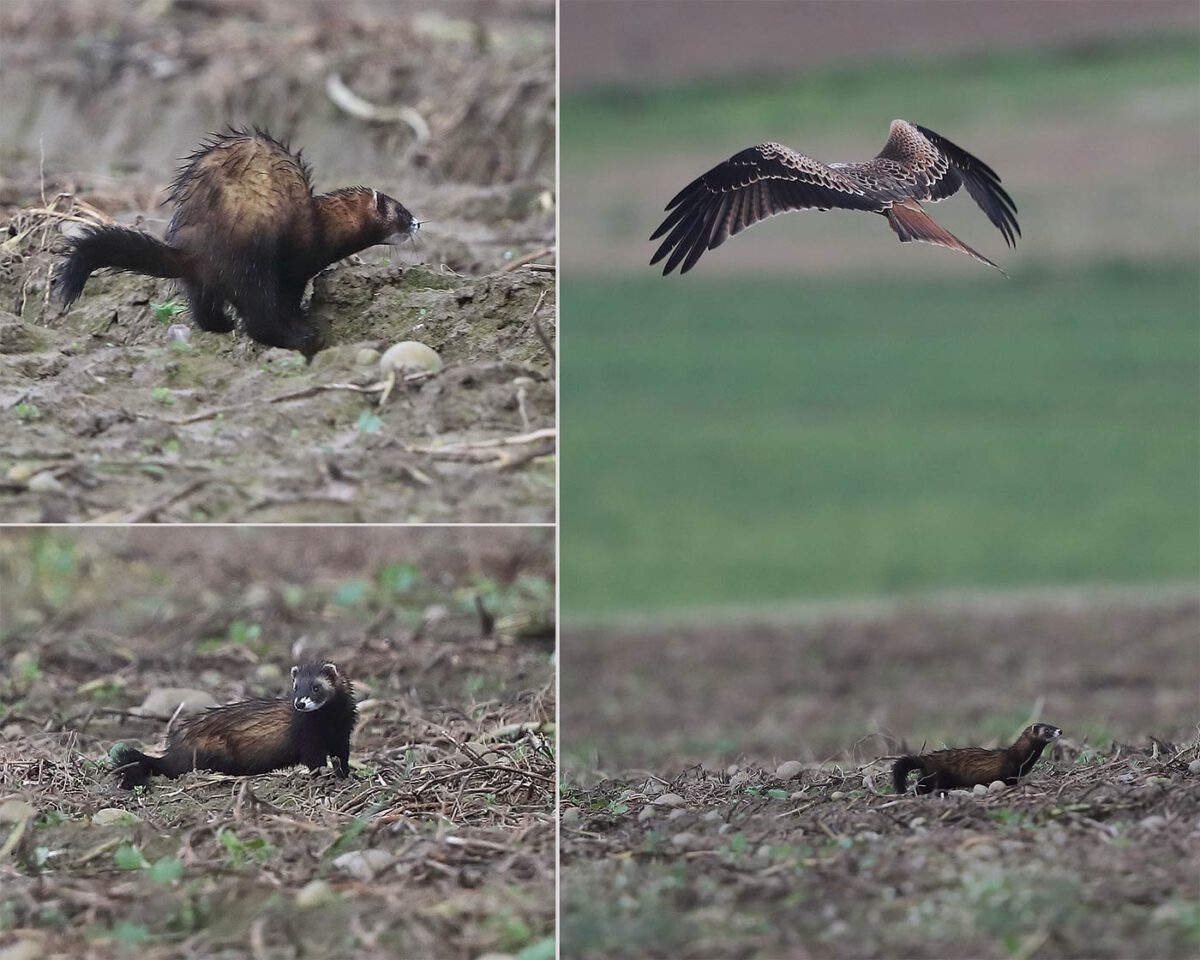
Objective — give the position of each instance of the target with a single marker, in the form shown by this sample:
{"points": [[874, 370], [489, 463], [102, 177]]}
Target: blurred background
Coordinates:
{"points": [[817, 414]]}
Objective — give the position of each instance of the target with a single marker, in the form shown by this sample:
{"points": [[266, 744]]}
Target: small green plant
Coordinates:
{"points": [[163, 395], [351, 593], [130, 934], [244, 634], [129, 857], [165, 871], [398, 577], [27, 412], [511, 931], [368, 422], [538, 950], [240, 851], [166, 312]]}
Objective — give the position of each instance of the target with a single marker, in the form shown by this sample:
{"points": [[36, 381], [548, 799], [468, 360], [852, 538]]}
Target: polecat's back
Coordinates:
{"points": [[241, 190]]}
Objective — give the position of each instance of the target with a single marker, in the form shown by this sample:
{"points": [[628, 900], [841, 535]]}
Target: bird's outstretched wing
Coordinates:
{"points": [[750, 186], [944, 167]]}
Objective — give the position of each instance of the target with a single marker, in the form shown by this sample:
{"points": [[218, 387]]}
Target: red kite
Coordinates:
{"points": [[915, 164]]}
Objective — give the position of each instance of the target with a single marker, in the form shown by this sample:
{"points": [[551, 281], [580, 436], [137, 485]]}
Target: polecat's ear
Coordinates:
{"points": [[330, 668], [295, 673]]}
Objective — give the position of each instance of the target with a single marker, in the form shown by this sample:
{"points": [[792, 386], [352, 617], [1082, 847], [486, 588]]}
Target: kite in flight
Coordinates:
{"points": [[915, 164]]}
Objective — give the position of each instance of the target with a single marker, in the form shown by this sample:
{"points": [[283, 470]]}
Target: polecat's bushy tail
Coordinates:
{"points": [[134, 767], [904, 766], [120, 247]]}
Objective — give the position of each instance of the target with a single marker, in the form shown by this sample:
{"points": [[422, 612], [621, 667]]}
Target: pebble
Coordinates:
{"points": [[313, 894], [789, 770], [22, 950], [410, 357], [979, 790], [367, 356], [22, 470], [996, 786], [685, 840], [712, 816], [570, 814], [364, 864], [1194, 766], [837, 795], [677, 813], [647, 813], [670, 800], [179, 333], [44, 482], [15, 811]]}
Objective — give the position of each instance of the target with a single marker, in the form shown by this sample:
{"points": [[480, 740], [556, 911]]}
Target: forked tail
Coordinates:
{"points": [[904, 766], [912, 223], [122, 248]]}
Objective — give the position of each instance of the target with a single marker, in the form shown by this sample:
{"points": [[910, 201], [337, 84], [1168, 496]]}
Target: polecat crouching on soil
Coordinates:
{"points": [[958, 769], [259, 735], [247, 230]]}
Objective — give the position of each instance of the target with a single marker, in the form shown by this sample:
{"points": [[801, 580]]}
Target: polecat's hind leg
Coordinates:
{"points": [[208, 308], [274, 318]]}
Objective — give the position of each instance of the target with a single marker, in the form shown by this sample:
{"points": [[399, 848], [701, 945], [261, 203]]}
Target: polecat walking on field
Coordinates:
{"points": [[247, 230], [259, 735], [956, 769]]}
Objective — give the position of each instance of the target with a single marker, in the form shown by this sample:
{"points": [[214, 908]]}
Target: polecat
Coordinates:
{"points": [[259, 735], [247, 230], [956, 769]]}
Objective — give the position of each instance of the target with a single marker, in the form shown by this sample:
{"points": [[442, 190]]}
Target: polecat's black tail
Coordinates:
{"points": [[120, 247], [904, 766], [134, 767]]}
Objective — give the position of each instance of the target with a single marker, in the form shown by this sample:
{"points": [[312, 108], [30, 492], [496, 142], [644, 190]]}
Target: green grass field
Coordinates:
{"points": [[769, 439]]}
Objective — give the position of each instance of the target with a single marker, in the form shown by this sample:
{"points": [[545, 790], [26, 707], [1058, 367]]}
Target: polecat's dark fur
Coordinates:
{"points": [[247, 230], [257, 736], [958, 769]]}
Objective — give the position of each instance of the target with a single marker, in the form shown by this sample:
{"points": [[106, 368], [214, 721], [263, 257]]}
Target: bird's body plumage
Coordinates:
{"points": [[915, 164]]}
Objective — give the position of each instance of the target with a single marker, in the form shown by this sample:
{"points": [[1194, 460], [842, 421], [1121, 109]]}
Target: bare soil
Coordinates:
{"points": [[452, 786], [681, 840], [103, 418]]}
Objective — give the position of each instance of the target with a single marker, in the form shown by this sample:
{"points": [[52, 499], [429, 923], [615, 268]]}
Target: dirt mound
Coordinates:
{"points": [[104, 417]]}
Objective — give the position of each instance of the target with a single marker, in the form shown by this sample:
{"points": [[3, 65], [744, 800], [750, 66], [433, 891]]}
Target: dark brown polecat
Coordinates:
{"points": [[958, 769], [259, 735], [247, 230]]}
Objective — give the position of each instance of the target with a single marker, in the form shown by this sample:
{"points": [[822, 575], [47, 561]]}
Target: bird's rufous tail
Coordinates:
{"points": [[912, 223]]}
